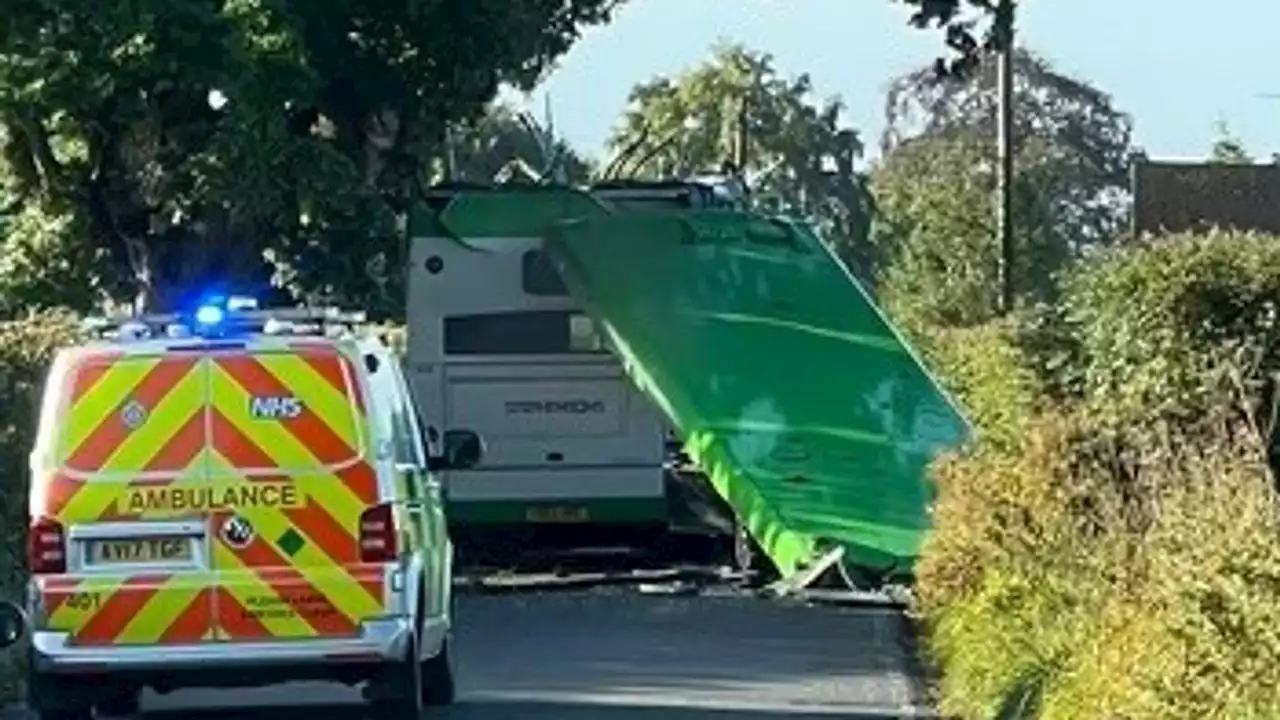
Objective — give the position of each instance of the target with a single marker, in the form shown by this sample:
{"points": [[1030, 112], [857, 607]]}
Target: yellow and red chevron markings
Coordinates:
{"points": [[141, 432], [132, 610]]}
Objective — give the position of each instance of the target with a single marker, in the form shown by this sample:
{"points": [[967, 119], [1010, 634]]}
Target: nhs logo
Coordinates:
{"points": [[283, 407]]}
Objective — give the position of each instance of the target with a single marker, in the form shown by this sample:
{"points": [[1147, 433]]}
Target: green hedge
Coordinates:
{"points": [[1155, 326], [26, 347], [1109, 546]]}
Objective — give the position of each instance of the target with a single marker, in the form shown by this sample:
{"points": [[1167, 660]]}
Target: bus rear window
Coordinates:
{"points": [[550, 332]]}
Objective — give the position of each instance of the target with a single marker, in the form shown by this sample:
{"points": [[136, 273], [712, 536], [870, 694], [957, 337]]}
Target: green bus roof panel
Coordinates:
{"points": [[805, 407]]}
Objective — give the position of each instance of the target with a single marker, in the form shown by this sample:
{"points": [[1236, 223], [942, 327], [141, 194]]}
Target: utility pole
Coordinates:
{"points": [[450, 154], [742, 139], [1004, 141], [740, 135]]}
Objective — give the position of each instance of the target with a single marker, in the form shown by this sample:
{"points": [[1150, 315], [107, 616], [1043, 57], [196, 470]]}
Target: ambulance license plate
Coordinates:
{"points": [[142, 550], [557, 514]]}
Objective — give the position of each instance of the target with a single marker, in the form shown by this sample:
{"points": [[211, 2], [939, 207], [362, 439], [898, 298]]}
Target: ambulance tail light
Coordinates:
{"points": [[378, 536], [46, 548]]}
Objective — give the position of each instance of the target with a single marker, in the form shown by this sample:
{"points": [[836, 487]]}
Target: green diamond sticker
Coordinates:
{"points": [[291, 542]]}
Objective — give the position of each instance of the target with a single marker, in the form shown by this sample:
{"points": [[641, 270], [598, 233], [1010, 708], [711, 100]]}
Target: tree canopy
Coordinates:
{"points": [[935, 184], [507, 144], [796, 152], [1070, 139], [161, 144]]}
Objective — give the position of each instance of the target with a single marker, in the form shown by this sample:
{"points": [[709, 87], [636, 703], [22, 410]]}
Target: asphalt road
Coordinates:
{"points": [[619, 655]]}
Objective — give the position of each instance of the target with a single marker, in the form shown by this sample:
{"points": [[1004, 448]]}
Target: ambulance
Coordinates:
{"points": [[234, 497]]}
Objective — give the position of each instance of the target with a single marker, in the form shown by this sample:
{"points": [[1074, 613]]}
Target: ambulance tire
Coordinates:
{"points": [[78, 714], [124, 702], [438, 686], [399, 692], [52, 699]]}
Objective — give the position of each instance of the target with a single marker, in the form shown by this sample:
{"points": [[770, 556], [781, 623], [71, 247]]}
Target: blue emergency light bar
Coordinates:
{"points": [[212, 313], [218, 316], [207, 315]]}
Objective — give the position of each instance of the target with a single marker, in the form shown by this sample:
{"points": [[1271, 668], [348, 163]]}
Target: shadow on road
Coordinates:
{"points": [[500, 710], [623, 656]]}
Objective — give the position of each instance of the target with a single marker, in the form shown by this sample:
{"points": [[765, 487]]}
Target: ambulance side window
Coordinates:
{"points": [[402, 431], [404, 438], [414, 452], [393, 417], [408, 449], [386, 382]]}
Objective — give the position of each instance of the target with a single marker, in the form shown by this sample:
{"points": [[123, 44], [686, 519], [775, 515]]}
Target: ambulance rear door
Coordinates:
{"points": [[119, 549], [289, 444]]}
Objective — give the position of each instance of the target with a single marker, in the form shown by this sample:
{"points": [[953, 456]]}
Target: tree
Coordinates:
{"points": [[936, 225], [986, 28], [1228, 149], [506, 143], [269, 142], [1073, 152], [736, 109]]}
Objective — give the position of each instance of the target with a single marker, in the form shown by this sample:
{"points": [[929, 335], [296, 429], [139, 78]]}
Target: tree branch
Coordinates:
{"points": [[48, 167], [959, 32], [622, 157]]}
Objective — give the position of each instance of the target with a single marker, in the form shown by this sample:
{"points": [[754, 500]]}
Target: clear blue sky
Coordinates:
{"points": [[1177, 74]]}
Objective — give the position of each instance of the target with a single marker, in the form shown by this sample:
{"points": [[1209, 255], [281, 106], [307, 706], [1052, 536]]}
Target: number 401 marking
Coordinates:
{"points": [[84, 600]]}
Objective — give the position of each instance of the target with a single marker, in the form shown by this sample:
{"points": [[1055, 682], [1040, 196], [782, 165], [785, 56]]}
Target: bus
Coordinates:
{"points": [[574, 451]]}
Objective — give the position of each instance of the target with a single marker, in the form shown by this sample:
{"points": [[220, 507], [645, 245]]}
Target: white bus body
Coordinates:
{"points": [[496, 345]]}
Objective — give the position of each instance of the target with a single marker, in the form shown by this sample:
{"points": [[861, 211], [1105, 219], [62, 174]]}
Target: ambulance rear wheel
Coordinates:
{"points": [[122, 702], [78, 714], [397, 691], [56, 698], [438, 686]]}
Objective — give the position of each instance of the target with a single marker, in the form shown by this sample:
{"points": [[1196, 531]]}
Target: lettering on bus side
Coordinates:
{"points": [[546, 407]]}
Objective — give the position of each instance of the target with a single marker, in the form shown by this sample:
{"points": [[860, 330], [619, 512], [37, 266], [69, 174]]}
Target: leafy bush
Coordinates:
{"points": [[26, 347], [1107, 548], [1042, 587], [1152, 323], [988, 367], [993, 581]]}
